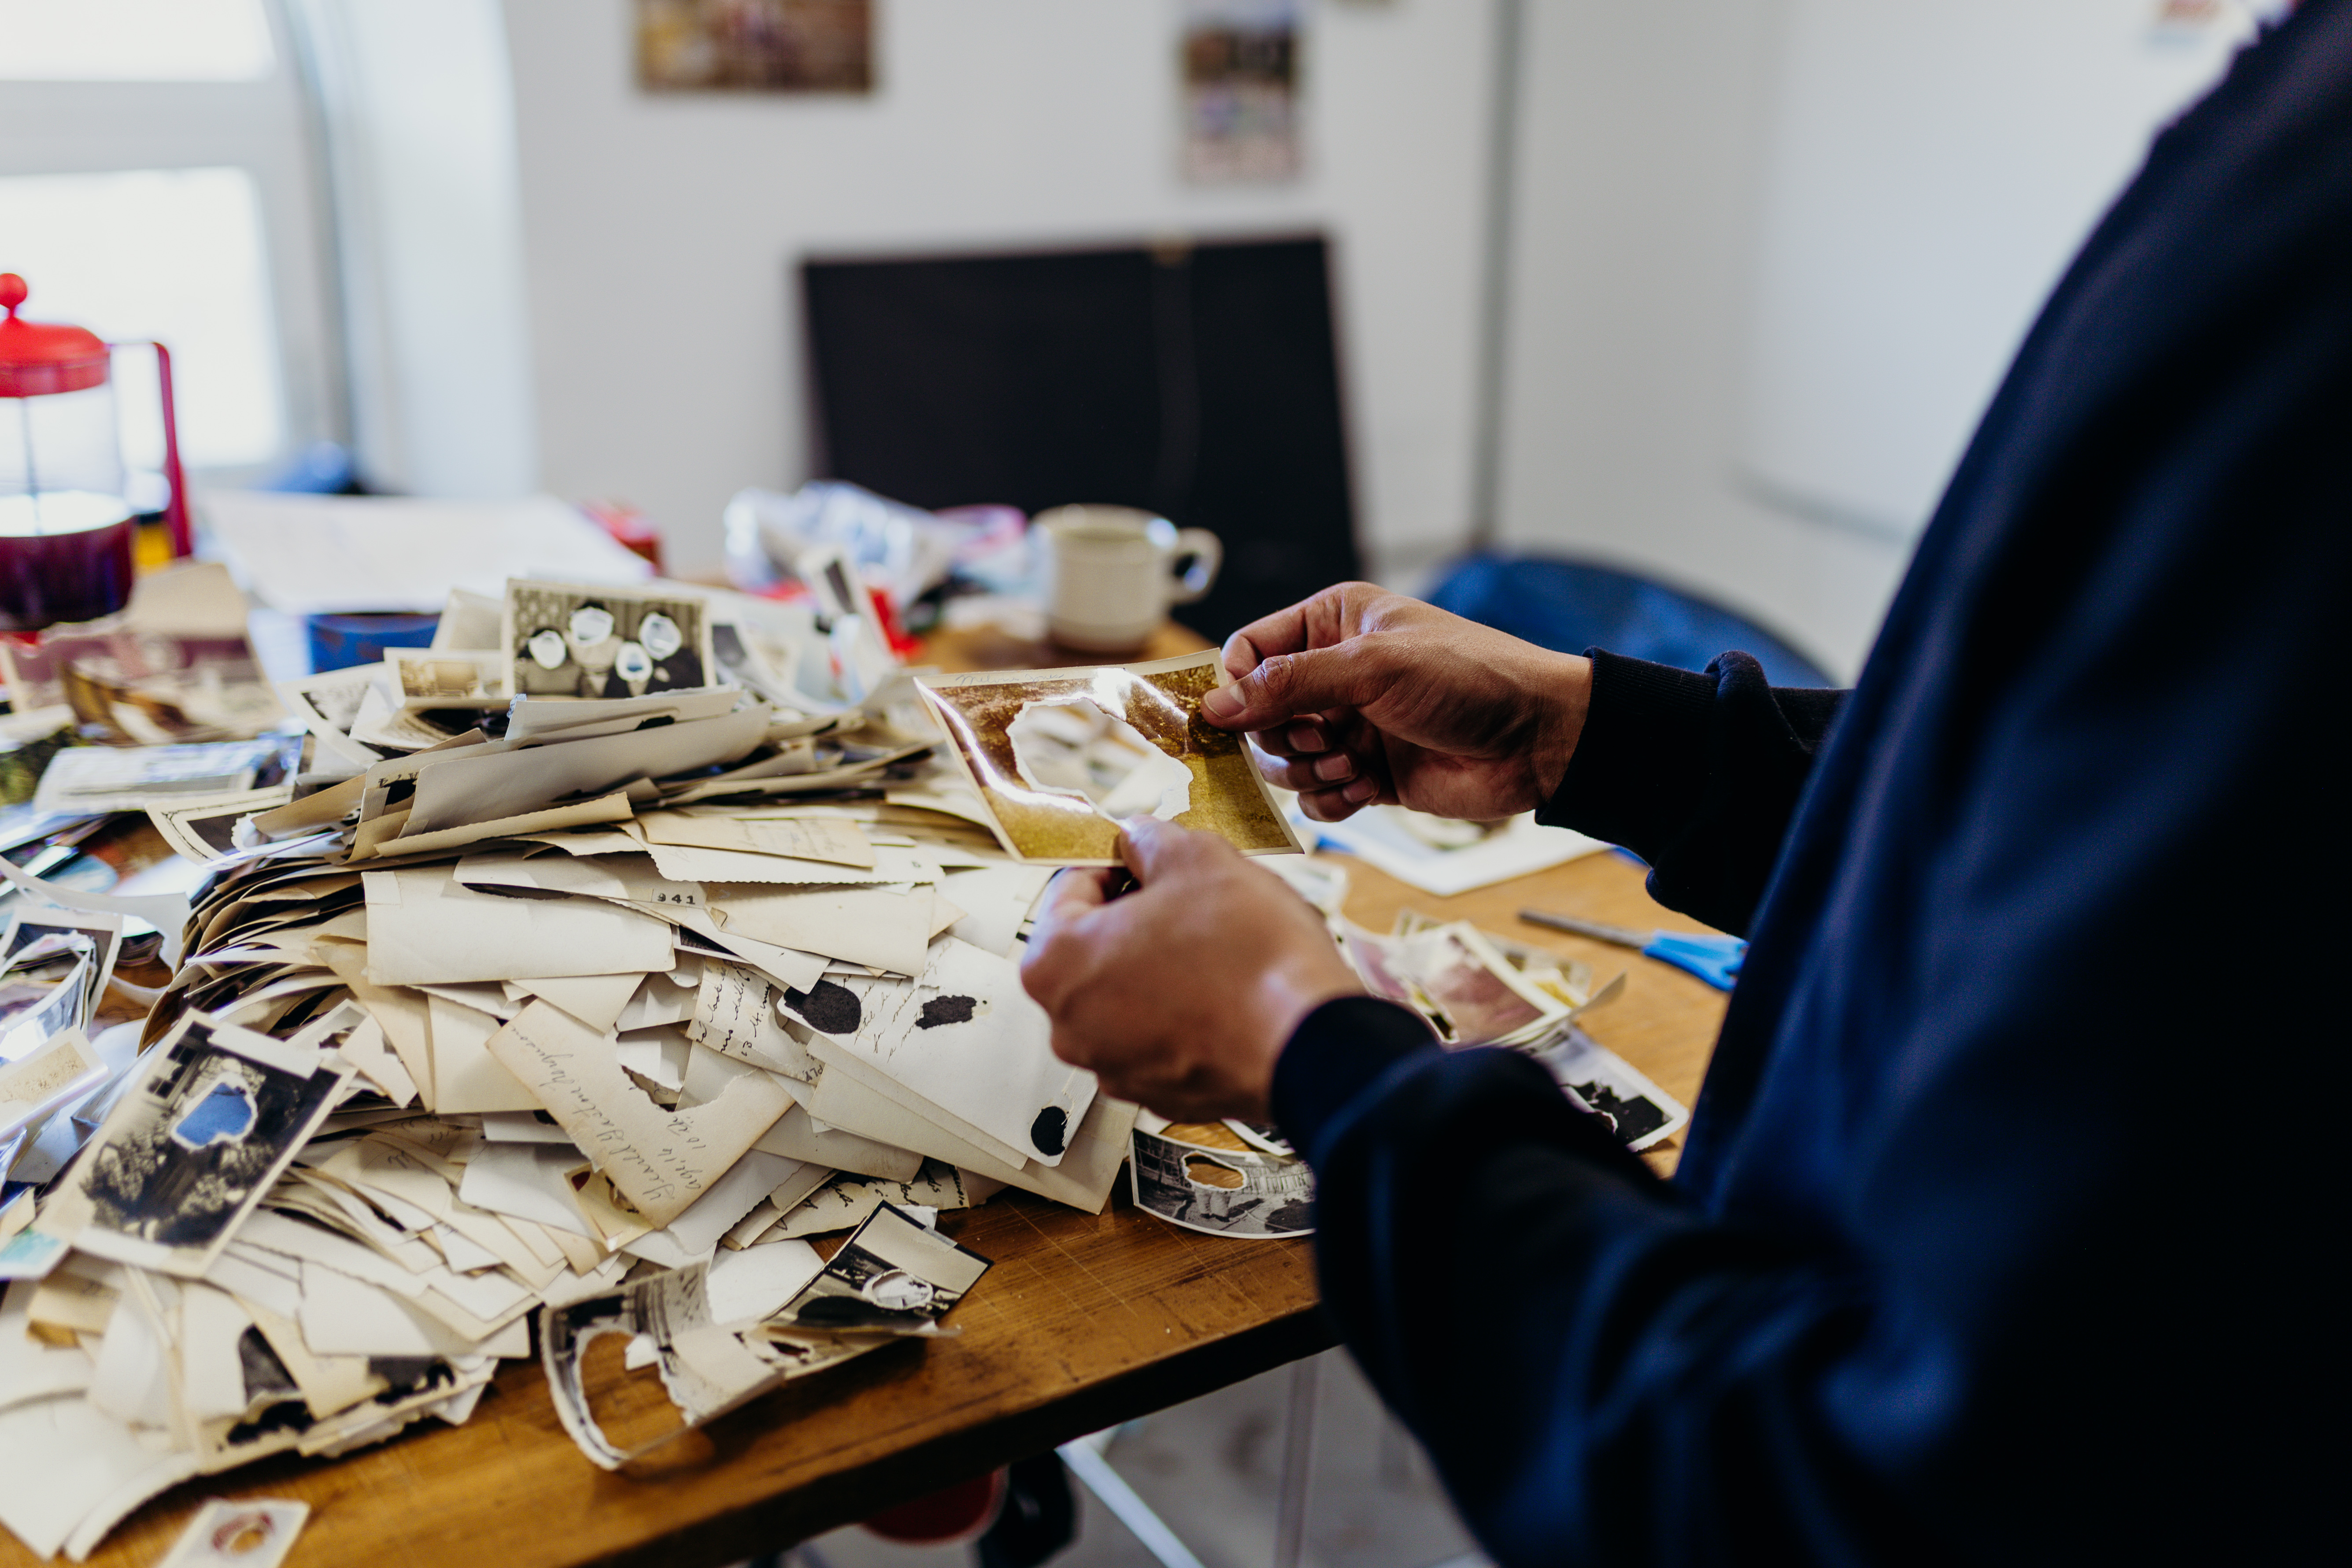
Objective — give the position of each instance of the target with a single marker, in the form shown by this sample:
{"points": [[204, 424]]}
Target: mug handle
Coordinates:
{"points": [[1207, 552]]}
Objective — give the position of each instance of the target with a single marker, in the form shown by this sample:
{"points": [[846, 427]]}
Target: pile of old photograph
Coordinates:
{"points": [[584, 967]]}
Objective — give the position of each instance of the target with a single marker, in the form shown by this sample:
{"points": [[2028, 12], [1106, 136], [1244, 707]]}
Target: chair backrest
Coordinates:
{"points": [[1572, 605], [1199, 382]]}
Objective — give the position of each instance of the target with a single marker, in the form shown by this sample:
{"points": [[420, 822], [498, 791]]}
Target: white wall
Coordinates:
{"points": [[420, 132], [1934, 169], [1639, 191], [661, 230]]}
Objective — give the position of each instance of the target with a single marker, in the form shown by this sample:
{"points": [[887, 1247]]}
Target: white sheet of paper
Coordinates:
{"points": [[1379, 839], [425, 928], [816, 838], [883, 927], [465, 1077], [753, 1283], [66, 1461], [309, 555], [796, 1136], [996, 899], [967, 1037], [693, 1236]]}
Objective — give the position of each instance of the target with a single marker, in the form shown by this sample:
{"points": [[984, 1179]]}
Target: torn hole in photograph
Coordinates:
{"points": [[1073, 746], [1206, 1172], [225, 1114]]}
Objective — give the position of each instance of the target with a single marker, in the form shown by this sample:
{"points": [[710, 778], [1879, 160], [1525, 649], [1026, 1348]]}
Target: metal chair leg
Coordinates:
{"points": [[1297, 1463]]}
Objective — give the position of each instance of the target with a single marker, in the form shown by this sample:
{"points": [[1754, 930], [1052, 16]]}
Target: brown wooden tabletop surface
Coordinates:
{"points": [[1085, 1320]]}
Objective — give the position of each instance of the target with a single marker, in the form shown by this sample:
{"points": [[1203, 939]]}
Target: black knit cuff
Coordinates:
{"points": [[1641, 765], [1337, 1052]]}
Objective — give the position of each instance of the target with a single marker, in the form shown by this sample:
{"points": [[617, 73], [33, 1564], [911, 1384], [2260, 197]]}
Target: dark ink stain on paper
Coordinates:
{"points": [[945, 1010], [1050, 1131], [826, 1007]]}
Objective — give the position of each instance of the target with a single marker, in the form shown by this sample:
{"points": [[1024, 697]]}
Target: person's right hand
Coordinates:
{"points": [[1359, 696]]}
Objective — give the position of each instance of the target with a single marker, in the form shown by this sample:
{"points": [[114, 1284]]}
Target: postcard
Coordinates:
{"points": [[1059, 757], [213, 1116], [567, 639]]}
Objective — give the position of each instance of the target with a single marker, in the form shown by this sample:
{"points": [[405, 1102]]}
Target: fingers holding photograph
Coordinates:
{"points": [[564, 640]]}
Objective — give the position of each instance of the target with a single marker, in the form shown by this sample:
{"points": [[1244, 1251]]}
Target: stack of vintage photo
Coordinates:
{"points": [[593, 959]]}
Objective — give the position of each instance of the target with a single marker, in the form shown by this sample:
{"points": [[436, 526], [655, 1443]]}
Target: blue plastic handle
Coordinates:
{"points": [[1714, 958]]}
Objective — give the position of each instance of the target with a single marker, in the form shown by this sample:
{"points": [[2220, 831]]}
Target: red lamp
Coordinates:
{"points": [[65, 523]]}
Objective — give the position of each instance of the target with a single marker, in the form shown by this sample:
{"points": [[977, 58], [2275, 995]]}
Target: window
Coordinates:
{"points": [[159, 179]]}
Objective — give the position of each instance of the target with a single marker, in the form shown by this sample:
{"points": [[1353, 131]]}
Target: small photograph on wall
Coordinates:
{"points": [[1241, 90], [755, 46]]}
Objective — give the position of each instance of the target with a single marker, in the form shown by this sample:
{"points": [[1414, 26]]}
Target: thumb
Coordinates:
{"points": [[1152, 848], [1289, 685]]}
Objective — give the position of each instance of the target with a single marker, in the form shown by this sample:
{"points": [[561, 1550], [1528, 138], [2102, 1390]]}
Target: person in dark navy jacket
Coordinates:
{"points": [[2004, 1225]]}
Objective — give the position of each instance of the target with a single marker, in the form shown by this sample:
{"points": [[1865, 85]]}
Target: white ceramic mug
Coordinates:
{"points": [[1112, 572]]}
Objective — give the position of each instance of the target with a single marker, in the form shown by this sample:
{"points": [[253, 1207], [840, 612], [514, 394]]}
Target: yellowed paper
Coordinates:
{"points": [[661, 1161]]}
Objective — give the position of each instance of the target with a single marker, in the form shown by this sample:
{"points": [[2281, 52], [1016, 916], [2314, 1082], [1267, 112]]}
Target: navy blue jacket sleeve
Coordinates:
{"points": [[1599, 1373], [1698, 774]]}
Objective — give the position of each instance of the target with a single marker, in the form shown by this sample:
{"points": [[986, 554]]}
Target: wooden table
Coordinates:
{"points": [[1085, 1320]]}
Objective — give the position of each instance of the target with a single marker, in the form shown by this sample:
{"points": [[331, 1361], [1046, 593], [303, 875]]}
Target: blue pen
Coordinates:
{"points": [[1714, 958]]}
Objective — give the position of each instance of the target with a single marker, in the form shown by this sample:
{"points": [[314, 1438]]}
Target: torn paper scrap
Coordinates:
{"points": [[661, 1161]]}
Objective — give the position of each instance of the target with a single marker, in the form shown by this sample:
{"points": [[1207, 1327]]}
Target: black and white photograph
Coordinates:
{"points": [[42, 946], [577, 640], [427, 679], [1222, 1192], [208, 830], [894, 1275], [214, 1116], [1604, 1083]]}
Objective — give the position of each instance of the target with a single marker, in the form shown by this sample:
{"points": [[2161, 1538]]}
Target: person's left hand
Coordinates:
{"points": [[1181, 993]]}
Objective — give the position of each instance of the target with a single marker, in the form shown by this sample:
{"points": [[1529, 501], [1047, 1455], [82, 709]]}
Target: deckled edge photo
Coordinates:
{"points": [[691, 665], [1278, 840]]}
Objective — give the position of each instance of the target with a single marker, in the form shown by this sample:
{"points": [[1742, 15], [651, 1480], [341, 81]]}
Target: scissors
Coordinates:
{"points": [[1714, 958]]}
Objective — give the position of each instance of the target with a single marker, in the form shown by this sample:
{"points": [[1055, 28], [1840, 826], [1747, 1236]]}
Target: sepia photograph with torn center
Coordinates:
{"points": [[1061, 757]]}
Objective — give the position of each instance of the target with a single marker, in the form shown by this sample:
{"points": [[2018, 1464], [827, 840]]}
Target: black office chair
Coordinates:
{"points": [[1572, 605], [1199, 382]]}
